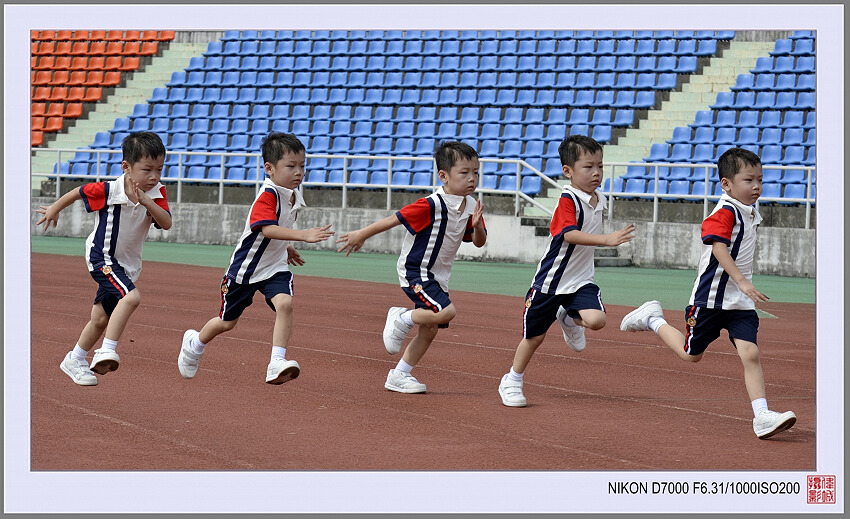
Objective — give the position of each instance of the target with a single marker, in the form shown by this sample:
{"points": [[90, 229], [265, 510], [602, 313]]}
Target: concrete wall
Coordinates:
{"points": [[780, 251]]}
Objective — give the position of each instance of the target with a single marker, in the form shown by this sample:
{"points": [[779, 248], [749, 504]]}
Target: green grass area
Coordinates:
{"points": [[620, 286]]}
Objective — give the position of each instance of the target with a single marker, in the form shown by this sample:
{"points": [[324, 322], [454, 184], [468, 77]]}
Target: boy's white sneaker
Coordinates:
{"points": [[768, 423], [395, 330], [511, 392], [78, 370], [573, 333], [104, 361], [403, 382], [638, 320], [280, 371], [188, 360]]}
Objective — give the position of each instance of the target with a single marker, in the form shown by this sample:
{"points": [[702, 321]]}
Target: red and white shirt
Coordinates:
{"points": [[735, 225], [257, 258], [565, 267], [121, 226], [436, 227]]}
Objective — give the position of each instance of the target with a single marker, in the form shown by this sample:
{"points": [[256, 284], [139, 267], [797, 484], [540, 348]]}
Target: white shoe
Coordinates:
{"points": [[104, 361], [78, 370], [638, 320], [188, 360], [403, 382], [511, 392], [280, 371], [573, 333], [768, 423], [395, 330]]}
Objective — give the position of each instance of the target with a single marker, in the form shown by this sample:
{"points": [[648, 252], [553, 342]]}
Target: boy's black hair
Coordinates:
{"points": [[572, 147], [448, 153], [730, 163], [139, 145], [277, 144]]}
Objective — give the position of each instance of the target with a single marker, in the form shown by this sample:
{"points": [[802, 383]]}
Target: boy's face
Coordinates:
{"points": [[586, 173], [288, 172], [745, 186], [146, 172], [462, 178]]}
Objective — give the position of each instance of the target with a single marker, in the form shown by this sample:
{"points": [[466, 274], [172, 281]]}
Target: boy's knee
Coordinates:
{"points": [[282, 304], [748, 351], [446, 314], [595, 320], [132, 299], [692, 358]]}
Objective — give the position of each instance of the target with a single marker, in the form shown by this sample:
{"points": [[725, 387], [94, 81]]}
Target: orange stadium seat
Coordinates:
{"points": [[149, 36], [114, 48], [97, 63], [94, 78], [38, 109], [34, 62], [149, 48], [131, 48], [80, 48], [97, 48], [54, 124], [36, 138], [42, 77], [34, 34], [80, 35], [74, 110], [113, 63], [62, 63], [37, 122], [55, 110], [114, 35], [41, 93], [44, 48], [34, 48], [111, 78], [60, 77], [78, 77], [63, 35], [76, 94], [79, 63], [131, 63], [93, 95], [58, 93], [166, 35], [97, 35], [132, 36], [62, 48]]}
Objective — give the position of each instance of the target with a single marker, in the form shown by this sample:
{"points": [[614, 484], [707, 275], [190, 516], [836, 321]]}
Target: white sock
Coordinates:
{"points": [[278, 352], [404, 366], [406, 317], [79, 353], [655, 323], [109, 344], [759, 405], [196, 345], [513, 375]]}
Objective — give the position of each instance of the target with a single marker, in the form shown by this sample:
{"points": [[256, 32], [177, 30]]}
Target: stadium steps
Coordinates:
{"points": [[138, 88], [680, 109]]}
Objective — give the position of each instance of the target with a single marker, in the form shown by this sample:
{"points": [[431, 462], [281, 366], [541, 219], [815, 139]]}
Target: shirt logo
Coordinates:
{"points": [[417, 288], [107, 270], [692, 321], [528, 302], [224, 288]]}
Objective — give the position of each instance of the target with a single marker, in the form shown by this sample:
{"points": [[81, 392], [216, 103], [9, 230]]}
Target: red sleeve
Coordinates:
{"points": [[94, 196], [162, 202], [264, 211], [564, 218], [418, 215], [467, 236], [718, 226]]}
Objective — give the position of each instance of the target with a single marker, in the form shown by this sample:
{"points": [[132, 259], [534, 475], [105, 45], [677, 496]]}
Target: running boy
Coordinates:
{"points": [[435, 225], [126, 207], [261, 260], [563, 288], [724, 295]]}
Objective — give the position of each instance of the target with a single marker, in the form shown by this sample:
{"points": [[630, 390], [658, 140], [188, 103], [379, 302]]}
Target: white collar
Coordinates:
{"points": [[454, 201], [749, 210], [118, 195], [286, 193], [585, 197]]}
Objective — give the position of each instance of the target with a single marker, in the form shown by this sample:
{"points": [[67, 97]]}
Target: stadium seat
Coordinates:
{"points": [[531, 185], [770, 190], [797, 191]]}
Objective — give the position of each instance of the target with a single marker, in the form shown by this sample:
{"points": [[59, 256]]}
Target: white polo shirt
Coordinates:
{"points": [[733, 223], [565, 267], [121, 226]]}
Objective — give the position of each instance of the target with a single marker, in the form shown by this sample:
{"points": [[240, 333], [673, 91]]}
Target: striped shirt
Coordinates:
{"points": [[436, 228], [565, 267], [257, 258], [121, 226], [733, 224]]}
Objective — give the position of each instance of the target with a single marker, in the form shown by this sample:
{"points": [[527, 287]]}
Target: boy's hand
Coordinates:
{"points": [[748, 288], [620, 237], [293, 257], [317, 234], [353, 241], [50, 215], [478, 214]]}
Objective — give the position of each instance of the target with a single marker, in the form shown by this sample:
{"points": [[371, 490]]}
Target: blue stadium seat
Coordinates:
{"points": [[811, 137], [793, 155], [635, 185], [531, 185], [680, 152], [770, 190], [793, 191], [680, 134], [507, 183], [771, 175], [702, 153]]}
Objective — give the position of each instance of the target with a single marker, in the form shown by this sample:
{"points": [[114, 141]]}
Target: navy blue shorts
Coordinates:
{"points": [[429, 295], [235, 297], [703, 325], [112, 285], [541, 310]]}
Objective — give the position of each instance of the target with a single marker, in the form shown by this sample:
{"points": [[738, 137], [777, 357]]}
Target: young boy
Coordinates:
{"points": [[563, 288], [724, 295], [126, 207], [261, 260], [435, 225]]}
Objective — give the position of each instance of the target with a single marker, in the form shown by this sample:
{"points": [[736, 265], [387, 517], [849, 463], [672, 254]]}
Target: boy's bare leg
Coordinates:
{"points": [[215, 327], [592, 319], [753, 374], [420, 343], [525, 350], [674, 340], [94, 328], [121, 315], [283, 320]]}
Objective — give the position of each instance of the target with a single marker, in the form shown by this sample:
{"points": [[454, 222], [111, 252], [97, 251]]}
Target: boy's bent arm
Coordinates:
{"points": [[313, 235], [479, 233], [159, 215], [51, 212], [353, 240], [721, 251], [612, 239]]}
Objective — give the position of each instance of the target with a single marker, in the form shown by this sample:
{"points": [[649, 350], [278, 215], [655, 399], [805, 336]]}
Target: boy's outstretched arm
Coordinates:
{"points": [[313, 235], [479, 233], [611, 239], [721, 251], [51, 212], [353, 240]]}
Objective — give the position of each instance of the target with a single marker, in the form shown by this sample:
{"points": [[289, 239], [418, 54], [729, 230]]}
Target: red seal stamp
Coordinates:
{"points": [[820, 490]]}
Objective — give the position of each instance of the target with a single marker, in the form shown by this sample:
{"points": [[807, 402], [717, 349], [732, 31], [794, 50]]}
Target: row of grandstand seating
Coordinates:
{"points": [[455, 63], [517, 47], [76, 78], [705, 153], [389, 35], [698, 173], [744, 135], [101, 35], [96, 48], [775, 82], [678, 188], [52, 62]]}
